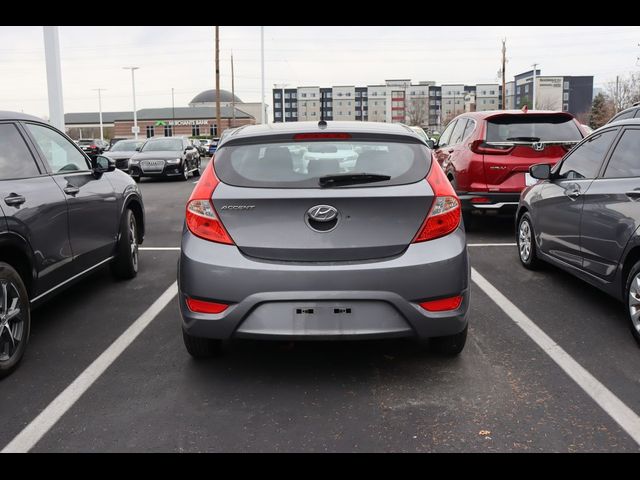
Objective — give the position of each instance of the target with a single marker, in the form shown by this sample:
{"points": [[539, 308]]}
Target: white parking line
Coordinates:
{"points": [[628, 420], [491, 244], [32, 433]]}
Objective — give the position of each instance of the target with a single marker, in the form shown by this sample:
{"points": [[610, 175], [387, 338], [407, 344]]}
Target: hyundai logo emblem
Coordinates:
{"points": [[322, 213]]}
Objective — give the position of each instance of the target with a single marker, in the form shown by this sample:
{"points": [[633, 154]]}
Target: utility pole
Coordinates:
{"points": [[173, 109], [533, 107], [54, 76], [233, 95], [218, 122], [503, 72], [100, 111], [263, 114]]}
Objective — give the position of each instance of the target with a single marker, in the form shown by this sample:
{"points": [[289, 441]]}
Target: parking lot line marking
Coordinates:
{"points": [[628, 420], [158, 248], [491, 244], [39, 426]]}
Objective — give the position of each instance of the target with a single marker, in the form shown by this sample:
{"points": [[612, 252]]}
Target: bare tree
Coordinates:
{"points": [[625, 92], [418, 111]]}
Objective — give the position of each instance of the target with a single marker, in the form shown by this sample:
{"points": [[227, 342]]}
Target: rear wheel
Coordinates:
{"points": [[633, 300], [199, 347], [449, 345], [526, 243], [185, 172], [196, 172], [125, 265], [15, 319]]}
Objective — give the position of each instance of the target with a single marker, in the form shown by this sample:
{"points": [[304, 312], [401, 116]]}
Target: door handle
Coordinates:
{"points": [[71, 190], [573, 194], [14, 200], [633, 194]]}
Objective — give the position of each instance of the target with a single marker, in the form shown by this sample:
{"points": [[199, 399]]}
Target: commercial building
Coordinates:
{"points": [[199, 119]]}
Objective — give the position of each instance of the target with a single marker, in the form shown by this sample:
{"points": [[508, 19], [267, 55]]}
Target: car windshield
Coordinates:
{"points": [[164, 144], [126, 146], [303, 164], [532, 128]]}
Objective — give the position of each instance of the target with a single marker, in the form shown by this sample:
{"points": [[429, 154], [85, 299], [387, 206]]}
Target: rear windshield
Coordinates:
{"points": [[538, 128], [302, 164], [126, 145], [85, 142]]}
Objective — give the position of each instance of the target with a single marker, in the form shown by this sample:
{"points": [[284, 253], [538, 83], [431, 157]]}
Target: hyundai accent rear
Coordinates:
{"points": [[314, 231]]}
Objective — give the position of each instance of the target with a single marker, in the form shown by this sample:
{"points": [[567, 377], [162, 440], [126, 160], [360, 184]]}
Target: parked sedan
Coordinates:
{"points": [[165, 157], [583, 215], [92, 147], [63, 216], [376, 252], [122, 151]]}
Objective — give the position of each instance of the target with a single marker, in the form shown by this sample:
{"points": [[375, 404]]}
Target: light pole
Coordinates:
{"points": [[54, 76], [173, 109], [135, 113], [99, 90], [264, 106], [533, 107]]}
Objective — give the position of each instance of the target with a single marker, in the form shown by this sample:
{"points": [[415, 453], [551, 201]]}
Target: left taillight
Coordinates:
{"points": [[201, 217], [444, 216]]}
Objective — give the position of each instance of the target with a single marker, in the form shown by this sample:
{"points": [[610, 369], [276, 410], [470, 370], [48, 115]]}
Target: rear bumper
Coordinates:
{"points": [[368, 299], [502, 203]]}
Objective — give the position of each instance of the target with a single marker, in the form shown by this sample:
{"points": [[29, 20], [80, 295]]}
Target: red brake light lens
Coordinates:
{"points": [[442, 304], [481, 148], [444, 216], [202, 219], [200, 306], [316, 136]]}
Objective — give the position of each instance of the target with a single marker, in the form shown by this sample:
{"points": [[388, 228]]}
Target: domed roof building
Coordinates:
{"points": [[208, 98]]}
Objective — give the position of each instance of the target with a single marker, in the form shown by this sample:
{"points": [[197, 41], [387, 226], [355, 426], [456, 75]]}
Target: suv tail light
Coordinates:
{"points": [[478, 146], [201, 217], [444, 216]]}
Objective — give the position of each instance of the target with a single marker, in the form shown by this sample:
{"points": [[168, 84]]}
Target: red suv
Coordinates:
{"points": [[487, 155]]}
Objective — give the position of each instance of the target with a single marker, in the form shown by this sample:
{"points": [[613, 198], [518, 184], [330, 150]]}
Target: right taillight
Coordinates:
{"points": [[482, 148], [444, 216], [201, 217]]}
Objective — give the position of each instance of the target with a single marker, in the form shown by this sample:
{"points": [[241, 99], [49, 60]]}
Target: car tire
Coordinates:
{"points": [[526, 244], [199, 347], [632, 294], [16, 328], [198, 170], [450, 345], [125, 265], [185, 172]]}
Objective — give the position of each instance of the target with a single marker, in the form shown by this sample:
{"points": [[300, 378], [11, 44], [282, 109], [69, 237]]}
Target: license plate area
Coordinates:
{"points": [[529, 180], [152, 165]]}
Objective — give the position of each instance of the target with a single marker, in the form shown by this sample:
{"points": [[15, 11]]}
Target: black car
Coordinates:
{"points": [[115, 140], [200, 146], [64, 215], [92, 147], [165, 157], [584, 214], [122, 151]]}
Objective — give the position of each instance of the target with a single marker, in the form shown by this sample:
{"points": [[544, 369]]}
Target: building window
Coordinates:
{"points": [[287, 105], [213, 131], [357, 94], [195, 130], [313, 114], [294, 95], [349, 112], [303, 95], [493, 101], [294, 105], [364, 103], [278, 114], [566, 85], [276, 95], [150, 131], [287, 96], [565, 96], [492, 92], [526, 88], [277, 105], [287, 114], [565, 107], [168, 131], [328, 94], [348, 94]]}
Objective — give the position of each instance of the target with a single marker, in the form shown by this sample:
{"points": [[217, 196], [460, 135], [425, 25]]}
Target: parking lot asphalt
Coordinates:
{"points": [[503, 393]]}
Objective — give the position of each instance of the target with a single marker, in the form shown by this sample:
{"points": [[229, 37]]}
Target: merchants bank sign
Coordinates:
{"points": [[161, 123]]}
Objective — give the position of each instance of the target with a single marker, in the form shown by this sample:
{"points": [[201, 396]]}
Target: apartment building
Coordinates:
{"points": [[344, 100], [488, 97], [452, 101]]}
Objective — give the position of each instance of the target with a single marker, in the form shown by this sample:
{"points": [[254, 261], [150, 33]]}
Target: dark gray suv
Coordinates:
{"points": [[63, 215], [329, 230], [584, 214]]}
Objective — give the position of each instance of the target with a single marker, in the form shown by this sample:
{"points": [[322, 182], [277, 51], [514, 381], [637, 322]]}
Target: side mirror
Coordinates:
{"points": [[102, 164], [541, 171]]}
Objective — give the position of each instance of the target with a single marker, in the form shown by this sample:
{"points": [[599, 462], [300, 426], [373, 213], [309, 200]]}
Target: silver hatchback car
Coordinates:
{"points": [[281, 244]]}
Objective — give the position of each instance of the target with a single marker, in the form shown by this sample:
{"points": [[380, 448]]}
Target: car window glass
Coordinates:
{"points": [[446, 135], [469, 129], [16, 160], [586, 159], [458, 132], [625, 161], [60, 153], [637, 113]]}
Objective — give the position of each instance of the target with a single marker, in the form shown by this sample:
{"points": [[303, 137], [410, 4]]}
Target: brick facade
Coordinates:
{"points": [[123, 128]]}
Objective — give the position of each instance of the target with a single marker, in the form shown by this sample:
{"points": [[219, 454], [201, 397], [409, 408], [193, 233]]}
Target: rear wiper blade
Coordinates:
{"points": [[525, 139], [351, 179]]}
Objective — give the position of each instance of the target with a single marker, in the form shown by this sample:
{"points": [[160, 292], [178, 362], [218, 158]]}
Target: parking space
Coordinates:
{"points": [[503, 393]]}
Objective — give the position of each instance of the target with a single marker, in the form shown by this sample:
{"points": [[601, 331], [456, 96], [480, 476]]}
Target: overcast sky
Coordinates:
{"points": [[183, 58]]}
